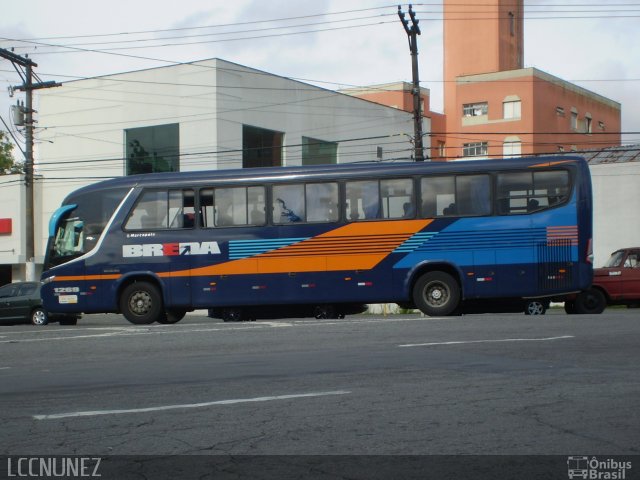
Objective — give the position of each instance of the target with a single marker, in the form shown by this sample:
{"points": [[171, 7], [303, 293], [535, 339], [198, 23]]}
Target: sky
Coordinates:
{"points": [[329, 43]]}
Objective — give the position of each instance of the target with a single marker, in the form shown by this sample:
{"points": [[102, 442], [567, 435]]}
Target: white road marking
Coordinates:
{"points": [[5, 368], [462, 342], [94, 413]]}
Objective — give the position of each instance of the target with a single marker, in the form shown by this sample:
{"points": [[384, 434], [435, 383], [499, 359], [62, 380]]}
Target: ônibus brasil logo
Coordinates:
{"points": [[170, 249], [593, 468]]}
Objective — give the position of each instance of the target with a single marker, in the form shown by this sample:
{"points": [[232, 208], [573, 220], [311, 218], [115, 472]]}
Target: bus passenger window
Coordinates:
{"points": [[553, 185], [181, 209], [397, 198], [256, 205], [206, 208], [322, 202], [161, 209], [151, 211], [363, 200], [288, 203], [514, 191], [438, 196], [473, 195]]}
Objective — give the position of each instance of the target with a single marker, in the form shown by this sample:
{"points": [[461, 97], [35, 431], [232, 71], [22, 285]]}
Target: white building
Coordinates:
{"points": [[205, 115]]}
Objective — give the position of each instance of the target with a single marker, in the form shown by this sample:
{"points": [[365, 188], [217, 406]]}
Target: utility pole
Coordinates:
{"points": [[28, 87], [412, 33]]}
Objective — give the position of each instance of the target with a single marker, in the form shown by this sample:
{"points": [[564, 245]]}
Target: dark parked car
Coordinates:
{"points": [[21, 301]]}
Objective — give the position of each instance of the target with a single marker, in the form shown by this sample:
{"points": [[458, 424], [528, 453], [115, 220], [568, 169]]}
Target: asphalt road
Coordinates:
{"points": [[366, 385]]}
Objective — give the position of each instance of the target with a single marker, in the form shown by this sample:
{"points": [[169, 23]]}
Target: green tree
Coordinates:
{"points": [[7, 162]]}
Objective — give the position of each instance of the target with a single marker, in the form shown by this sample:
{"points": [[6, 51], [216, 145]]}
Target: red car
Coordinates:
{"points": [[617, 283]]}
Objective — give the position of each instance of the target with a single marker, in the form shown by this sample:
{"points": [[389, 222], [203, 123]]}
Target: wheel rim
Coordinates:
{"points": [[436, 294], [591, 302], [535, 308], [140, 303], [39, 317]]}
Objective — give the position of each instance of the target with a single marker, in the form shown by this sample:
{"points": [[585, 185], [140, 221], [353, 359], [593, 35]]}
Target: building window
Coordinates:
{"points": [[318, 152], [512, 109], [261, 147], [152, 149], [442, 149], [601, 125], [574, 119], [512, 24], [560, 111], [512, 148], [475, 109], [475, 149], [588, 124]]}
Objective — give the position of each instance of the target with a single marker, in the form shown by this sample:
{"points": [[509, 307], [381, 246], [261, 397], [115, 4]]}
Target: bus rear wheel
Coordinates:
{"points": [[141, 303], [172, 316], [436, 294]]}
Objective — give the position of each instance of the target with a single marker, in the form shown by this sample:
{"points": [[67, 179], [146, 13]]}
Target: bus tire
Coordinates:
{"points": [[172, 316], [590, 301], [436, 294], [324, 311], [232, 315], [141, 303], [570, 307]]}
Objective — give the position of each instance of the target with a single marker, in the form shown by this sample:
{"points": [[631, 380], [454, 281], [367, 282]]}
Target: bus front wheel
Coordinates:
{"points": [[141, 303], [436, 294]]}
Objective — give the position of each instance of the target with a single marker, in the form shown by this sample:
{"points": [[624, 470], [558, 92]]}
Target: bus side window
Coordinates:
{"points": [[206, 208], [322, 202], [473, 195], [363, 200], [256, 205], [397, 198], [288, 203], [551, 187], [150, 212], [514, 191], [438, 196], [181, 208]]}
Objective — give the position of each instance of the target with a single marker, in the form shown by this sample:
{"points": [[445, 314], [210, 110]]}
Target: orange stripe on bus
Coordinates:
{"points": [[72, 278], [551, 164]]}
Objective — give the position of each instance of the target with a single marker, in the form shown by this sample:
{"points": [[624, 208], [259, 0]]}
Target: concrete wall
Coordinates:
{"points": [[616, 214]]}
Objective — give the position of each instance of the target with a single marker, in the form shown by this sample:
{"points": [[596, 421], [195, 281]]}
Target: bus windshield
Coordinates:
{"points": [[76, 227]]}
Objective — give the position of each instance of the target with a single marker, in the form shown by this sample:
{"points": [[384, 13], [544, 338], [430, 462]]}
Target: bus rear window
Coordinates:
{"points": [[456, 195], [526, 192]]}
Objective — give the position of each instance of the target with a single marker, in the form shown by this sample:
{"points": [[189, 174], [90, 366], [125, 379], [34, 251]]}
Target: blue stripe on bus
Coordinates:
{"points": [[247, 248], [415, 242]]}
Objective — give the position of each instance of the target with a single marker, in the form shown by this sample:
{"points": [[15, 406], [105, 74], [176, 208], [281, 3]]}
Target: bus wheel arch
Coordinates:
{"points": [[140, 300], [436, 290]]}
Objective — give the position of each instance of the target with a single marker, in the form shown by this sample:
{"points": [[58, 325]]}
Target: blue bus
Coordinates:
{"points": [[322, 240]]}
